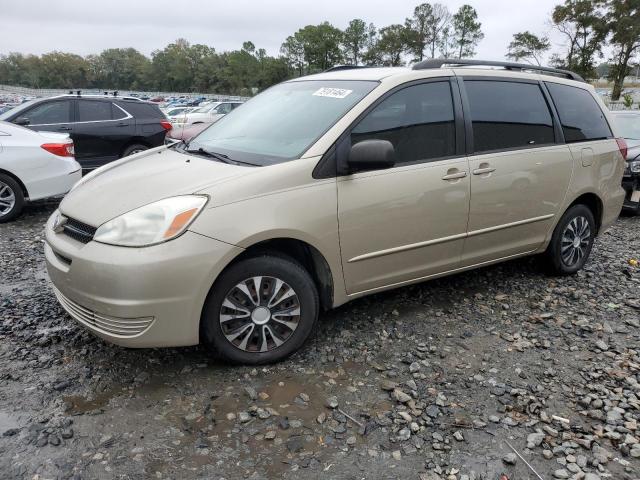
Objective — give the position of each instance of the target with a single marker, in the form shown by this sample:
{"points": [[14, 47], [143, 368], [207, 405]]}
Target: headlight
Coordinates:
{"points": [[154, 223], [634, 166]]}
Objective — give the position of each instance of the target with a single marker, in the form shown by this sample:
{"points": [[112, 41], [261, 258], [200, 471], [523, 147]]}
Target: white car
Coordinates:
{"points": [[207, 114], [33, 166]]}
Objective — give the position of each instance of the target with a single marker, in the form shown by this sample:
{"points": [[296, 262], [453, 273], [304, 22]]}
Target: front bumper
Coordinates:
{"points": [[136, 297], [631, 186]]}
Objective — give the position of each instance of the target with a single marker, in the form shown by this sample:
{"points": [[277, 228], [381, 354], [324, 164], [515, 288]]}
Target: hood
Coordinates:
{"points": [[141, 179]]}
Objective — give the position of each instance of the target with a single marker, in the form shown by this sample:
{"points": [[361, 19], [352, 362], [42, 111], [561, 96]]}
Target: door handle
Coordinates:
{"points": [[454, 175], [484, 168], [66, 129], [122, 124]]}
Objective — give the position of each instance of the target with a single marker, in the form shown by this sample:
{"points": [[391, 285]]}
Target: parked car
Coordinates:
{"points": [[629, 126], [185, 132], [331, 187], [209, 113], [175, 111], [103, 128], [33, 166]]}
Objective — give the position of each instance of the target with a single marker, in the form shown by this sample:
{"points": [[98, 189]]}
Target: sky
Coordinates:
{"points": [[90, 26]]}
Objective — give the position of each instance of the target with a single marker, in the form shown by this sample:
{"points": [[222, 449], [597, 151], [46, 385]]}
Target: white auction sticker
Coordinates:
{"points": [[332, 92]]}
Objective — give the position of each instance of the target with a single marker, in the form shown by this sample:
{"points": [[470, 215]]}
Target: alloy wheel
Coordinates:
{"points": [[7, 199], [259, 314], [575, 241]]}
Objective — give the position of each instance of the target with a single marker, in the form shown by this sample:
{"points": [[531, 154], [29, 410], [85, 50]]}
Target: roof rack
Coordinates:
{"points": [[439, 62], [345, 67]]}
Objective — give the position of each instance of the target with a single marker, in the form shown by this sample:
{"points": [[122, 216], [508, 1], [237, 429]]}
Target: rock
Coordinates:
{"points": [[351, 440], [251, 393], [414, 367], [244, 417], [388, 385], [332, 402], [601, 454], [295, 443], [561, 473], [458, 436], [305, 398], [404, 434], [270, 435], [534, 439], [591, 476], [602, 345], [510, 458], [321, 418], [400, 396]]}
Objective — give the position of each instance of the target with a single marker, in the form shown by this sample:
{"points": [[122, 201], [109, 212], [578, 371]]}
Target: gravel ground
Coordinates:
{"points": [[434, 381]]}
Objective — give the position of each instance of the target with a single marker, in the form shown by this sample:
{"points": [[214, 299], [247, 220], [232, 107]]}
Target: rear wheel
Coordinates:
{"points": [[133, 149], [11, 198], [572, 241], [260, 310]]}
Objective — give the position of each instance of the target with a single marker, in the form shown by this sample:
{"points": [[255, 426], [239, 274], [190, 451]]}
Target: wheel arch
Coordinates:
{"points": [[25, 192], [304, 253], [594, 203], [134, 141]]}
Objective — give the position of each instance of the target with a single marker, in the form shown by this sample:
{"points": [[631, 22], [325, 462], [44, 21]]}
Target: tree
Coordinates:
{"points": [[423, 31], [623, 23], [467, 31], [527, 46], [355, 41], [584, 27], [389, 47], [417, 31], [292, 50], [120, 68]]}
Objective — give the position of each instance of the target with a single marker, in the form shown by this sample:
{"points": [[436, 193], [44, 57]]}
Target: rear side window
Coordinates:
{"points": [[142, 109], [508, 115], [417, 120], [580, 115], [49, 112], [94, 111]]}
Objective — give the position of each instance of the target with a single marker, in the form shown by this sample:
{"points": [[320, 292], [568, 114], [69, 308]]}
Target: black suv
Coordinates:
{"points": [[103, 128]]}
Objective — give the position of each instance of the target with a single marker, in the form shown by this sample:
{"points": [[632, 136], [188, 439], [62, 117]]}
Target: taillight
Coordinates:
{"points": [[60, 149], [166, 124], [622, 145]]}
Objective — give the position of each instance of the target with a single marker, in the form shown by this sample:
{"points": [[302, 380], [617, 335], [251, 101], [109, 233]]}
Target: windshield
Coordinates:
{"points": [[19, 108], [282, 122], [629, 126]]}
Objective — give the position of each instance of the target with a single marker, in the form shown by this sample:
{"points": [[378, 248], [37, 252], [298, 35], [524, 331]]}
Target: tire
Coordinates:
{"points": [[266, 340], [133, 149], [11, 198], [564, 258]]}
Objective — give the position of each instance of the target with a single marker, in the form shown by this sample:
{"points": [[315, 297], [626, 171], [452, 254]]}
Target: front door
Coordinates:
{"points": [[50, 116], [409, 221], [519, 175]]}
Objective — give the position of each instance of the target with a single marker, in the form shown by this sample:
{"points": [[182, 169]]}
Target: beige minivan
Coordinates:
{"points": [[330, 187]]}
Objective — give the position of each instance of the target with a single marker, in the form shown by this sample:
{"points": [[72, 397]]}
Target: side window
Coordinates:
{"points": [[508, 115], [417, 120], [117, 113], [92, 111], [223, 108], [580, 115], [50, 112]]}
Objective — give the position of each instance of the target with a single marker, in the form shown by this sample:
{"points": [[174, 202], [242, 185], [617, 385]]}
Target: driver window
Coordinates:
{"points": [[417, 120]]}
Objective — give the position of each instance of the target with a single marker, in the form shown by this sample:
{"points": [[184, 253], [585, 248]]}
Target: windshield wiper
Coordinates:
{"points": [[221, 157]]}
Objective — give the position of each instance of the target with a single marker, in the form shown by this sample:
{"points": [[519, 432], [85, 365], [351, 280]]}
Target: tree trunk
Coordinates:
{"points": [[618, 81]]}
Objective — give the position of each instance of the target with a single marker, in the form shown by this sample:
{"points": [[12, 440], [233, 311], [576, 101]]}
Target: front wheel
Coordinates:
{"points": [[133, 149], [572, 241], [11, 198], [260, 310]]}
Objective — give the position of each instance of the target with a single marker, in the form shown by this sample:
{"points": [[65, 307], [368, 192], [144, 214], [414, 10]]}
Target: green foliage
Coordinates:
{"points": [[467, 31], [388, 48], [356, 40], [627, 100], [623, 24], [424, 30], [583, 25], [527, 46]]}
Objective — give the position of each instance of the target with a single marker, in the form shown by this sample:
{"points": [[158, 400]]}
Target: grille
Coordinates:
{"points": [[78, 231], [105, 324]]}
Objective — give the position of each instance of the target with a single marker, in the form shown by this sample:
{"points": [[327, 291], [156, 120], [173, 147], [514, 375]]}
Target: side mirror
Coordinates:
{"points": [[21, 121], [371, 155]]}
